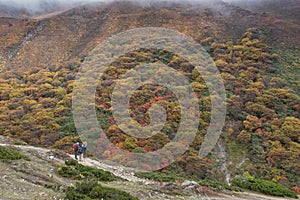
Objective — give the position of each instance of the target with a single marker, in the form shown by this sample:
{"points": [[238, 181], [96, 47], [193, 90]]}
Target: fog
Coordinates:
{"points": [[249, 2], [37, 6]]}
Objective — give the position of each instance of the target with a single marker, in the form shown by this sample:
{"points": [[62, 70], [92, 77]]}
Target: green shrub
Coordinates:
{"points": [[219, 186], [86, 187], [67, 172], [79, 171], [71, 162], [157, 176], [109, 193], [266, 187], [99, 174], [103, 175], [72, 194], [7, 153], [18, 143], [93, 190]]}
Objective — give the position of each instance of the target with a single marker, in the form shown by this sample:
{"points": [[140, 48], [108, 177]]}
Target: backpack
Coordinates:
{"points": [[80, 150], [75, 147]]}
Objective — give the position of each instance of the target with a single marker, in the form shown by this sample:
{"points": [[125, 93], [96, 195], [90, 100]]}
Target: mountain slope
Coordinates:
{"points": [[39, 59]]}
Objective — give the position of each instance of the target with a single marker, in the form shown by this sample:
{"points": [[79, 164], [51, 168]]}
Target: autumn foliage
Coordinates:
{"points": [[262, 111]]}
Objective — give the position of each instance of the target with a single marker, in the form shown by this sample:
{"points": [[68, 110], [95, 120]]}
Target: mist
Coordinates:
{"points": [[40, 6], [245, 1]]}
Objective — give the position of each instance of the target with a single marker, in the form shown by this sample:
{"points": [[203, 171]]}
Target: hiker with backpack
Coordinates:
{"points": [[84, 146], [80, 152], [75, 147]]}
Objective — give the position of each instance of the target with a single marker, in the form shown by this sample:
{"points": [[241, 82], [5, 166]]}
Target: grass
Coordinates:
{"points": [[236, 152]]}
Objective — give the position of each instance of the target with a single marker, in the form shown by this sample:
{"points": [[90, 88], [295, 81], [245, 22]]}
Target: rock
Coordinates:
{"points": [[190, 187], [171, 186], [188, 183], [43, 194]]}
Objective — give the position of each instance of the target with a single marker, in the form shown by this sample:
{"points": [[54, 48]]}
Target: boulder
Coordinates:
{"points": [[188, 183]]}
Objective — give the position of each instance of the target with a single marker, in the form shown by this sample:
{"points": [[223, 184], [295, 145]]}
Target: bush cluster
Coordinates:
{"points": [[78, 171], [263, 186], [219, 186], [157, 176], [7, 154], [93, 190]]}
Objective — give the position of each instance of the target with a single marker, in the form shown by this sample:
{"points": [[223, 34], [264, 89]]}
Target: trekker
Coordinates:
{"points": [[84, 146], [75, 147], [80, 152]]}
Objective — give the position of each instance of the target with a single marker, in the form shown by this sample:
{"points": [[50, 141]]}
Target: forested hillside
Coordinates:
{"points": [[257, 58]]}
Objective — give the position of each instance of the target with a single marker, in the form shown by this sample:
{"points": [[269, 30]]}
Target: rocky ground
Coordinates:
{"points": [[37, 178]]}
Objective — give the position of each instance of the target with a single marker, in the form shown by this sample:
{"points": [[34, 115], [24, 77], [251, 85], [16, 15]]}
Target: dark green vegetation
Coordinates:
{"points": [[266, 187], [78, 171], [94, 190], [157, 176], [9, 154]]}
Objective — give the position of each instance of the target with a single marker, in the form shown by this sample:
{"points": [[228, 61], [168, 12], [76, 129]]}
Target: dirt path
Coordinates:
{"points": [[125, 173]]}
